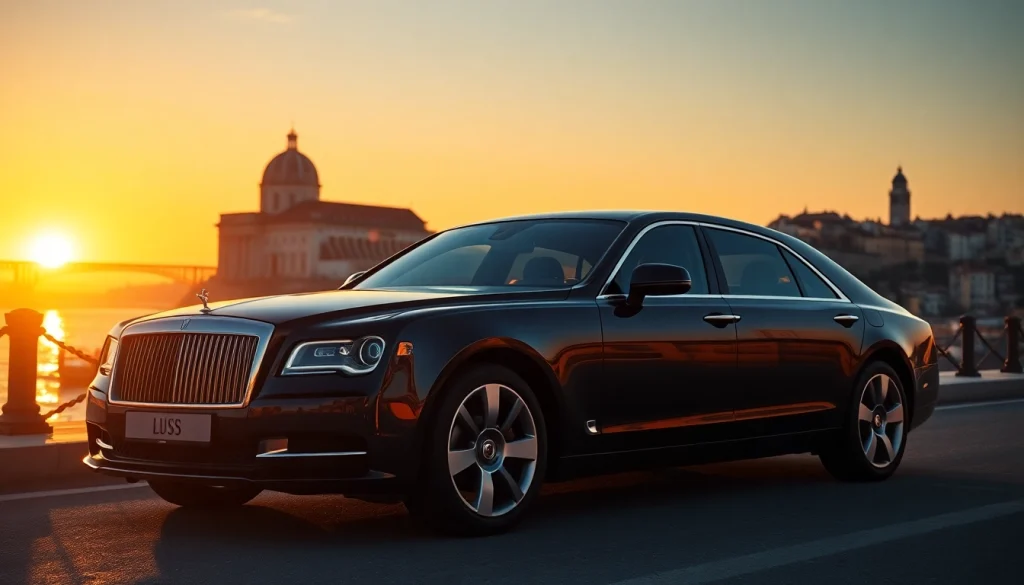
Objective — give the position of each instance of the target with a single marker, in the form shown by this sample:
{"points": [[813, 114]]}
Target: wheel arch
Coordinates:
{"points": [[524, 361], [893, 355]]}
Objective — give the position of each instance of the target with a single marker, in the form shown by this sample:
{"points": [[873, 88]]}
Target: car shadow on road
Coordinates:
{"points": [[336, 519], [600, 529], [666, 517]]}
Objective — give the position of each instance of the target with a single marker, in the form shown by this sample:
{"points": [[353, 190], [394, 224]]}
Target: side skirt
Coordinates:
{"points": [[577, 466]]}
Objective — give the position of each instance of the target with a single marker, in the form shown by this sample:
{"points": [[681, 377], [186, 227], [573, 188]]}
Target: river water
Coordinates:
{"points": [[84, 329]]}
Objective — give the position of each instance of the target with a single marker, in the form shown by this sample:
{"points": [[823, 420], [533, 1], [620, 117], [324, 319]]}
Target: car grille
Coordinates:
{"points": [[184, 368]]}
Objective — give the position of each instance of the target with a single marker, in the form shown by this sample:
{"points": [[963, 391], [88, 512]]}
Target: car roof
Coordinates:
{"points": [[643, 216]]}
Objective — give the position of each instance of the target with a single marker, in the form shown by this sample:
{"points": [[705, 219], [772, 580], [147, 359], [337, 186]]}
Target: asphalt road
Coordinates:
{"points": [[953, 513]]}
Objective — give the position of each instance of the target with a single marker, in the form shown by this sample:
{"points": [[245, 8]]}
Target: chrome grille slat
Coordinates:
{"points": [[190, 366], [204, 383], [181, 369], [151, 373], [184, 368], [197, 368], [229, 356], [244, 347], [216, 346], [178, 365]]}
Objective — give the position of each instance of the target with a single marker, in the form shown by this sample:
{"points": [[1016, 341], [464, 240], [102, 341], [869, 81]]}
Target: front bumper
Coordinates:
{"points": [[926, 395], [294, 482], [331, 447]]}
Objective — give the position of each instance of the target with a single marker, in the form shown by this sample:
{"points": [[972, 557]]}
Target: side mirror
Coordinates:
{"points": [[351, 277], [657, 280]]}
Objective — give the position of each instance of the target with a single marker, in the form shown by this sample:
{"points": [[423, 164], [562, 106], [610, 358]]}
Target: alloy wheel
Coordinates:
{"points": [[880, 420], [492, 450]]}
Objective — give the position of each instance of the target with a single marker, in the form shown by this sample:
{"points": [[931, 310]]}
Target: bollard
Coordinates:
{"points": [[21, 413], [1012, 363], [968, 334]]}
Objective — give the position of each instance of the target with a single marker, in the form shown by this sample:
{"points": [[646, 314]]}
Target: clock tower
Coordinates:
{"points": [[899, 200]]}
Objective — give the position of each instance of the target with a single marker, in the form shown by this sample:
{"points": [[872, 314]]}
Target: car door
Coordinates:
{"points": [[667, 365], [797, 336]]}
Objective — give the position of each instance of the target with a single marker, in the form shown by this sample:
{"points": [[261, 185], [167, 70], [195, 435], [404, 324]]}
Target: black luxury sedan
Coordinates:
{"points": [[464, 371]]}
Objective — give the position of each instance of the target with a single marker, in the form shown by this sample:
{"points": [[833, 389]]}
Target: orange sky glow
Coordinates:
{"points": [[128, 127]]}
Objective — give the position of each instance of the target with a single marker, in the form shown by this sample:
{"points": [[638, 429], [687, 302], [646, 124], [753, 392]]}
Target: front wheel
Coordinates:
{"points": [[871, 445], [486, 454], [203, 496]]}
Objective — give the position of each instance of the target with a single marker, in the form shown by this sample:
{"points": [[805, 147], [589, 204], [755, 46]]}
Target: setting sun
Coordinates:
{"points": [[51, 250]]}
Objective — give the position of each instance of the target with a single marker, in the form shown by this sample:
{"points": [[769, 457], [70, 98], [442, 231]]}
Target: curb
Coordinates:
{"points": [[55, 461], [976, 390], [41, 462]]}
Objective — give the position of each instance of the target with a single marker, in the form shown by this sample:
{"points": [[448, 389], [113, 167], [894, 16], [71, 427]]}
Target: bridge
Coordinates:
{"points": [[22, 274]]}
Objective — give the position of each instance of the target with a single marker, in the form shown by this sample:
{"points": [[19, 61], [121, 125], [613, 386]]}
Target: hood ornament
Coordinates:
{"points": [[204, 297]]}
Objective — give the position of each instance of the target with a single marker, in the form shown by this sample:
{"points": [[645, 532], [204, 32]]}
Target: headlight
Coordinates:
{"points": [[107, 356], [359, 356]]}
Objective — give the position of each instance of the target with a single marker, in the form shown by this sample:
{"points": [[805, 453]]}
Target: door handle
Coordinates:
{"points": [[719, 320], [846, 320]]}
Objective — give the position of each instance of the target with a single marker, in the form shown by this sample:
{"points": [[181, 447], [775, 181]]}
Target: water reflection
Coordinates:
{"points": [[48, 380], [60, 375]]}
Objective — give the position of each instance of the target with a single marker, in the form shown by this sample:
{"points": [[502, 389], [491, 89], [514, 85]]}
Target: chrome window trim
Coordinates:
{"points": [[199, 324], [739, 297], [622, 259]]}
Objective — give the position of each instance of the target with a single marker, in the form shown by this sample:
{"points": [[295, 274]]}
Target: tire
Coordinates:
{"points": [[471, 452], [189, 495], [877, 420]]}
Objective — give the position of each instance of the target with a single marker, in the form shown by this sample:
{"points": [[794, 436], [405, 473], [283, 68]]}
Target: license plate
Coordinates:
{"points": [[162, 426]]}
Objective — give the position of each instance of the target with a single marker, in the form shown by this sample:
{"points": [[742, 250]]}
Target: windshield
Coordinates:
{"points": [[547, 253]]}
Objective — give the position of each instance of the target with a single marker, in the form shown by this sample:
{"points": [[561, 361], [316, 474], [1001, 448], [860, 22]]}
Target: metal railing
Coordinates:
{"points": [[968, 334], [22, 415]]}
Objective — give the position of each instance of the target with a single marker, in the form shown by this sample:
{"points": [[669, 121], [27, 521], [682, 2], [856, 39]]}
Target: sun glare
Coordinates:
{"points": [[51, 250]]}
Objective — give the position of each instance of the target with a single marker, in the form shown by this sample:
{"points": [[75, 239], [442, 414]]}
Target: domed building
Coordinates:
{"points": [[296, 241], [289, 178]]}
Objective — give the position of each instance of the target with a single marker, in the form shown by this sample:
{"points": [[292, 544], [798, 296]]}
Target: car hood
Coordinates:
{"points": [[290, 307]]}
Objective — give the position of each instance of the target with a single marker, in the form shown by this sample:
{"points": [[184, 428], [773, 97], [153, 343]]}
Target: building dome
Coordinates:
{"points": [[899, 180], [291, 167]]}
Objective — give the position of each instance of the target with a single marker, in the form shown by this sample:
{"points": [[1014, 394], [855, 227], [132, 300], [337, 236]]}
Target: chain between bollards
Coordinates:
{"points": [[77, 353], [70, 349], [65, 406], [944, 351]]}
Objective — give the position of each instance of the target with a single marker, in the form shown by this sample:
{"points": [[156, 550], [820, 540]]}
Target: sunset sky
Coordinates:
{"points": [[129, 126]]}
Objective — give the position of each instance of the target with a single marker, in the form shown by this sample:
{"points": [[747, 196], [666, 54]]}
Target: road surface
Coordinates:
{"points": [[953, 513]]}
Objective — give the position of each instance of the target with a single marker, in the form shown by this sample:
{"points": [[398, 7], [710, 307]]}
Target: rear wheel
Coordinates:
{"points": [[486, 454], [871, 445], [202, 496]]}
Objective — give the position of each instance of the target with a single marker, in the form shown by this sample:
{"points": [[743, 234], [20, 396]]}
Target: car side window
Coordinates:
{"points": [[753, 266], [811, 284], [667, 244]]}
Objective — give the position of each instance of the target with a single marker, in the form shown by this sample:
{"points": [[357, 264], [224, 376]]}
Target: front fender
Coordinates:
{"points": [[563, 342]]}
